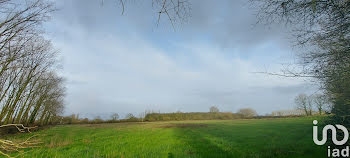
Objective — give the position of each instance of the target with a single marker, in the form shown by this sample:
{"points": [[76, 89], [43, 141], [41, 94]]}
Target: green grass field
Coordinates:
{"points": [[287, 137]]}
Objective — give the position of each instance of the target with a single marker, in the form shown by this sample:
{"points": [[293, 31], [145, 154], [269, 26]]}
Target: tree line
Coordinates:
{"points": [[31, 92], [152, 115]]}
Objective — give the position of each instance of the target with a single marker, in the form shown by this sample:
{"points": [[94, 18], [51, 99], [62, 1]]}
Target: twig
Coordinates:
{"points": [[9, 146]]}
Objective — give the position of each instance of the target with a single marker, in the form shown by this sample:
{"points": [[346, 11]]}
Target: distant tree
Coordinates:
{"points": [[142, 115], [321, 102], [115, 116], [247, 112], [302, 102], [97, 119], [214, 109], [310, 101], [129, 116], [85, 120], [75, 118]]}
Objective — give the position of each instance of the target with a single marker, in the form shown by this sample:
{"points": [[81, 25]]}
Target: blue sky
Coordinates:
{"points": [[128, 64]]}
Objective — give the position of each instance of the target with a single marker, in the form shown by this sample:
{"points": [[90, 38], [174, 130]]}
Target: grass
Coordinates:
{"points": [[286, 137]]}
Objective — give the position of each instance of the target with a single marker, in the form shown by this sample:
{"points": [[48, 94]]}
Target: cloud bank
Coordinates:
{"points": [[125, 64]]}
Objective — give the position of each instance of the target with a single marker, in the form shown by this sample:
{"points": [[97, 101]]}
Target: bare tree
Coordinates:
{"points": [[321, 102], [30, 91], [310, 101], [115, 117], [130, 116], [247, 112], [213, 109], [303, 102]]}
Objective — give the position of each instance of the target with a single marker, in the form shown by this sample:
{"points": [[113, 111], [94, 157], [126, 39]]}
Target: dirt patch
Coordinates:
{"points": [[182, 125]]}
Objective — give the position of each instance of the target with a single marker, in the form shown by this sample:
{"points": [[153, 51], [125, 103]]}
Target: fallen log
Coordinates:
{"points": [[19, 127]]}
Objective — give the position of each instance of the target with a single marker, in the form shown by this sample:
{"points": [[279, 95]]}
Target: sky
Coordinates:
{"points": [[129, 63]]}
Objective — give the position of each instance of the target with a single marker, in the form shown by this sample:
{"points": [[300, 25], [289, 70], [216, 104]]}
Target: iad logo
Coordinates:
{"points": [[334, 134]]}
